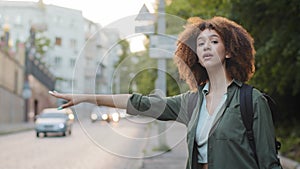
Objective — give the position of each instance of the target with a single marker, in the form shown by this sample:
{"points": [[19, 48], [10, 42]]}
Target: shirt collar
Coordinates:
{"points": [[205, 89], [238, 83]]}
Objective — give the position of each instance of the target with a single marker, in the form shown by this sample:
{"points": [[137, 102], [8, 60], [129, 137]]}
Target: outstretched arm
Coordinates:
{"points": [[113, 100]]}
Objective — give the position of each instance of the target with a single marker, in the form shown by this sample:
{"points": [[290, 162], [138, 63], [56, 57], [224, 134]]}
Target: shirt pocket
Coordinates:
{"points": [[230, 126]]}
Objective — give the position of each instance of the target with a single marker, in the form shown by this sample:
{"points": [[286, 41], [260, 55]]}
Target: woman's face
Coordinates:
{"points": [[210, 49]]}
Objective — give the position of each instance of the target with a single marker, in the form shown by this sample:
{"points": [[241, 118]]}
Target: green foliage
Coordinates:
{"points": [[289, 136], [203, 8], [274, 27], [273, 24], [136, 71], [174, 24], [42, 44], [174, 84], [145, 73]]}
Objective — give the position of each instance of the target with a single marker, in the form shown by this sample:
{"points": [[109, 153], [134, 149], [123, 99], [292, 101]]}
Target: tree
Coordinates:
{"points": [[203, 8], [273, 24], [276, 32], [136, 70], [274, 27]]}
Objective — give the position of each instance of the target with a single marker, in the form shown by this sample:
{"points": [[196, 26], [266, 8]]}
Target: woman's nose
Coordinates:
{"points": [[207, 46]]}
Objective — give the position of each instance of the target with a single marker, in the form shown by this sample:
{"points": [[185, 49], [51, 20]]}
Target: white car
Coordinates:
{"points": [[52, 120]]}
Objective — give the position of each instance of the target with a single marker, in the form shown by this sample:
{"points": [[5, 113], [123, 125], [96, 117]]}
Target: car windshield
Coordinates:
{"points": [[53, 115]]}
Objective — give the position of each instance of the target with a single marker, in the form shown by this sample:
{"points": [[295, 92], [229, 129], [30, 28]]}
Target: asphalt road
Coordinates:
{"points": [[90, 146]]}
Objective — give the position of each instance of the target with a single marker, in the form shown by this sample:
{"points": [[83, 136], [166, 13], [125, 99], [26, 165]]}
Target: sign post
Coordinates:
{"points": [[161, 48]]}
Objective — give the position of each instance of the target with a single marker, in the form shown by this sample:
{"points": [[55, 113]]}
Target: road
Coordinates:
{"points": [[90, 146]]}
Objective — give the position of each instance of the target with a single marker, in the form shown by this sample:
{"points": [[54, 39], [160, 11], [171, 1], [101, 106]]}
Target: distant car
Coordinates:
{"points": [[103, 113], [52, 120]]}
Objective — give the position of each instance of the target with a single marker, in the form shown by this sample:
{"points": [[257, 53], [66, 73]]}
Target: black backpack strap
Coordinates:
{"points": [[246, 108]]}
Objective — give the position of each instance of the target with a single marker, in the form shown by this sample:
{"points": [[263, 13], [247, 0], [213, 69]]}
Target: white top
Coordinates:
{"points": [[204, 125]]}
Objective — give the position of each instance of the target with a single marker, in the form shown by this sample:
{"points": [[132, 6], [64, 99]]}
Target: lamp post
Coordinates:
{"points": [[160, 82], [159, 49], [26, 95]]}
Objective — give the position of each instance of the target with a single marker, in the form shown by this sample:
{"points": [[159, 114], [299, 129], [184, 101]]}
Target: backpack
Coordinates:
{"points": [[246, 108]]}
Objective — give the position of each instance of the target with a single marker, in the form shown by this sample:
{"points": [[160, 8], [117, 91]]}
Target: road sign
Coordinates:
{"points": [[145, 21], [146, 29], [162, 46]]}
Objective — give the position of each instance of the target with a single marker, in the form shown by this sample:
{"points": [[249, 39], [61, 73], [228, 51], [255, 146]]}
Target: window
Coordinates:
{"points": [[73, 43], [16, 81], [72, 62], [58, 41], [57, 61]]}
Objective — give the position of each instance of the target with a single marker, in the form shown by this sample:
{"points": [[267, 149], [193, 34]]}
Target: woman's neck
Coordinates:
{"points": [[219, 80]]}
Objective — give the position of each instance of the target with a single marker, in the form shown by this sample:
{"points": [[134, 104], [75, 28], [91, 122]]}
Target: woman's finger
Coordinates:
{"points": [[55, 94], [58, 95], [69, 104]]}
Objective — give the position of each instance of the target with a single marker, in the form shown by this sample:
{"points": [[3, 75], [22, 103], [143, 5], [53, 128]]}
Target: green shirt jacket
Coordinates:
{"points": [[228, 146]]}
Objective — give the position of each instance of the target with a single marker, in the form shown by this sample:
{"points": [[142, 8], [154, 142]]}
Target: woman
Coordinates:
{"points": [[214, 57]]}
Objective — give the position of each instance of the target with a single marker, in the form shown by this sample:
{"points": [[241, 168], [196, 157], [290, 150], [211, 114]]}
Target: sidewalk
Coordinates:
{"points": [[15, 127], [176, 158], [174, 134]]}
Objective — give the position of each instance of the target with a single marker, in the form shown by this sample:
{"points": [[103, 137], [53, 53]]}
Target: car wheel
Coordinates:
{"points": [[45, 134], [37, 134], [64, 133]]}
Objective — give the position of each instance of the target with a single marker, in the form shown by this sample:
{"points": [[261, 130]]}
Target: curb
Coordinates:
{"points": [[11, 128], [288, 163]]}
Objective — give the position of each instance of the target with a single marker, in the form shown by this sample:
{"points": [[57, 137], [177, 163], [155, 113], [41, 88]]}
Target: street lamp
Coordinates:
{"points": [[26, 95]]}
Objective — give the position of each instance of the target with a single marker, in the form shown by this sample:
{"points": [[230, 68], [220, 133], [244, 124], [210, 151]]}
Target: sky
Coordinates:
{"points": [[103, 12], [109, 13]]}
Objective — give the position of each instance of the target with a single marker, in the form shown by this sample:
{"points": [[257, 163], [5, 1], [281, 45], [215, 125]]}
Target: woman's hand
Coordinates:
{"points": [[70, 98]]}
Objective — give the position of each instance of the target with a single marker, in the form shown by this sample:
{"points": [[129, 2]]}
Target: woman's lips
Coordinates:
{"points": [[207, 55]]}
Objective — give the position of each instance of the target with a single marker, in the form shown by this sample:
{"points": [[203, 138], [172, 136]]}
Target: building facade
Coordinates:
{"points": [[11, 84], [68, 32], [80, 53]]}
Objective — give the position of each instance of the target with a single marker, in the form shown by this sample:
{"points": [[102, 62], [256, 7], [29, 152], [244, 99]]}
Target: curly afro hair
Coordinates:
{"points": [[238, 44]]}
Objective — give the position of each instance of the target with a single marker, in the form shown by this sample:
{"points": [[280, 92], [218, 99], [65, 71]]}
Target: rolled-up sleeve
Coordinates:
{"points": [[161, 108]]}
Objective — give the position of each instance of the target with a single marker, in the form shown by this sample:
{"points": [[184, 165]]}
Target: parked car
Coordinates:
{"points": [[51, 120], [103, 113]]}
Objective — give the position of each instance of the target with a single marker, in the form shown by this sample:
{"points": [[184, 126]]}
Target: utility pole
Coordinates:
{"points": [[161, 49], [161, 75]]}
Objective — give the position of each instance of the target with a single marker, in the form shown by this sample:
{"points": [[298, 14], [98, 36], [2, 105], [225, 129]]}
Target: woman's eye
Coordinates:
{"points": [[214, 41], [201, 44]]}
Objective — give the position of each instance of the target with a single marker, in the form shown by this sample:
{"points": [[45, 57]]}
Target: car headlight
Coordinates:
{"points": [[104, 116], [61, 125], [94, 116], [115, 117], [71, 116]]}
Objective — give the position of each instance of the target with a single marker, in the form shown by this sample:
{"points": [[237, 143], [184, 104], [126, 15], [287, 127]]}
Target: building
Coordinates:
{"points": [[68, 32], [19, 102], [78, 52], [101, 53], [11, 84]]}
